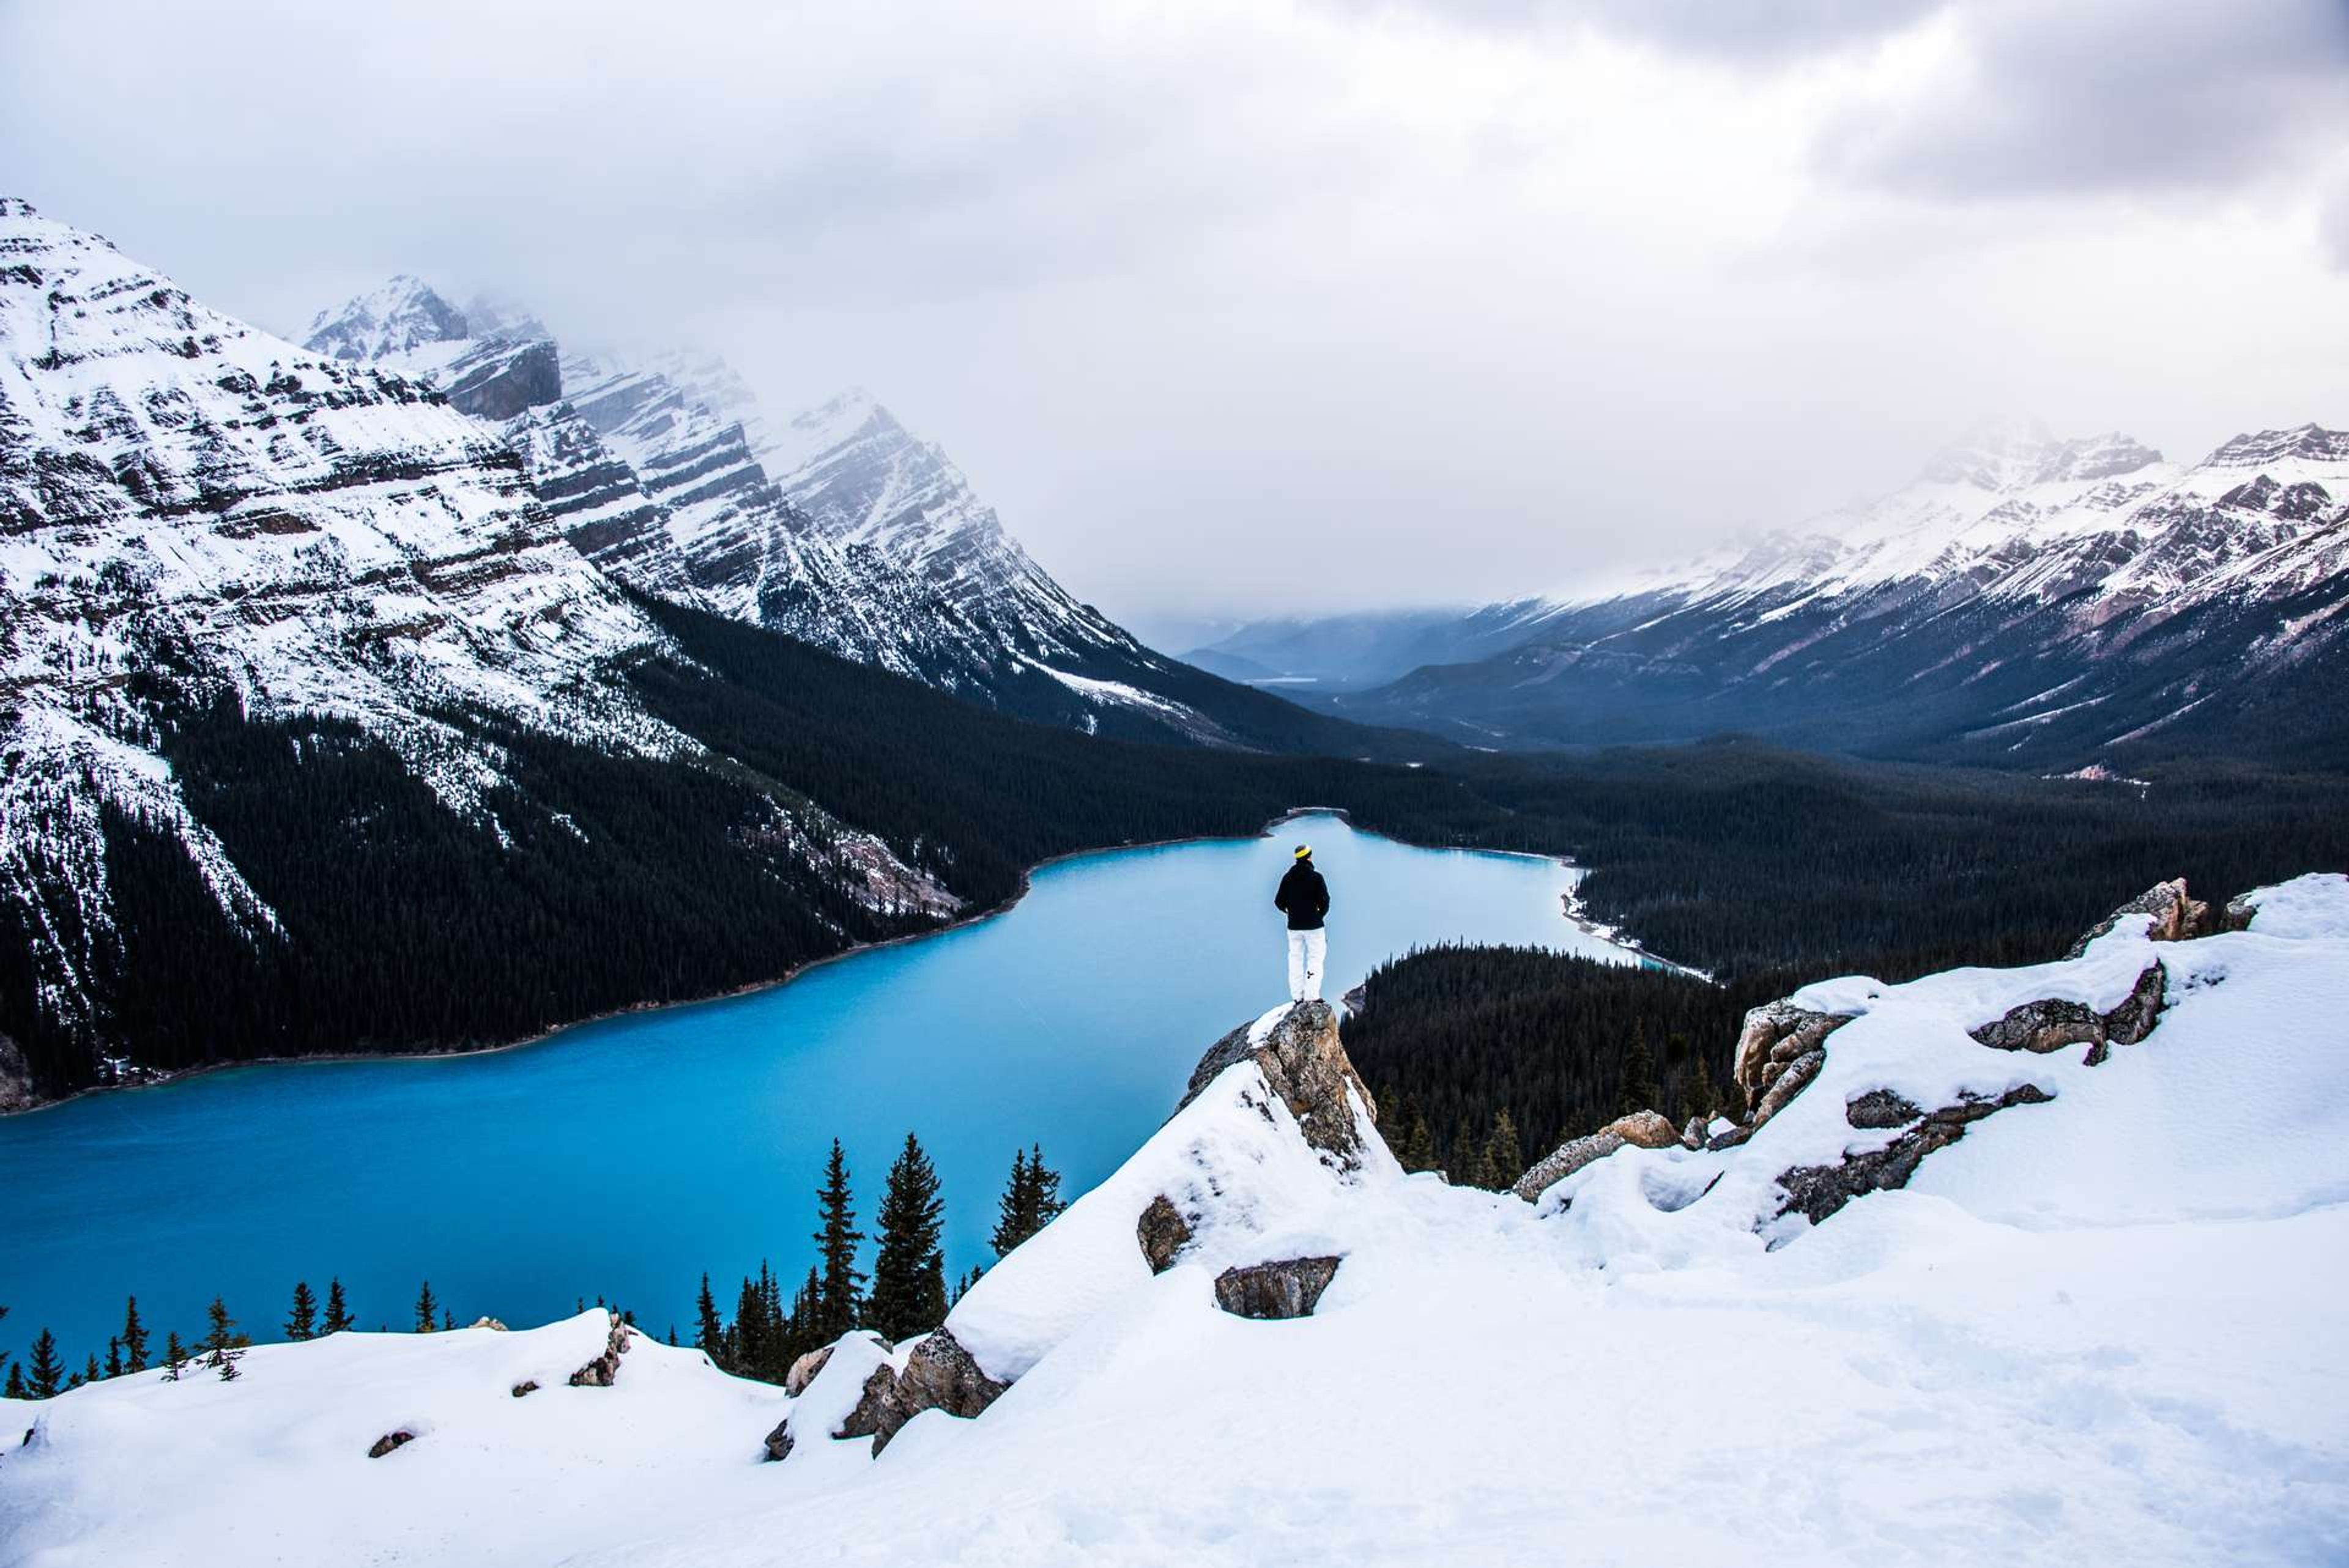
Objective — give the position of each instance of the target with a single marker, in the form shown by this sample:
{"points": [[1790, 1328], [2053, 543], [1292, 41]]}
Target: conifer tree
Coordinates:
{"points": [[174, 1354], [1639, 1084], [1013, 1209], [711, 1334], [1413, 1143], [303, 1323], [90, 1372], [909, 1286], [449, 1320], [134, 1338], [1466, 1163], [1504, 1157], [839, 1285], [962, 1287], [338, 1311], [49, 1368], [17, 1389], [114, 1367], [223, 1344], [428, 1311]]}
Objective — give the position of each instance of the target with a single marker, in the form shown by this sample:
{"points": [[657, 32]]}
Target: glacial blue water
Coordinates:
{"points": [[624, 1157]]}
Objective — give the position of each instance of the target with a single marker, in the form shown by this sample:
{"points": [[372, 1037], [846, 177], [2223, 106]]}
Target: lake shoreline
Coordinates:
{"points": [[160, 1080]]}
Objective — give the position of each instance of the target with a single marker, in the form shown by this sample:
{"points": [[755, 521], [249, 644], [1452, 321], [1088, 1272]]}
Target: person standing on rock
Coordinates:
{"points": [[1304, 897]]}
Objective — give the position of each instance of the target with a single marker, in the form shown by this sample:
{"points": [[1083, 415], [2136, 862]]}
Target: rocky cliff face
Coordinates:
{"points": [[196, 516]]}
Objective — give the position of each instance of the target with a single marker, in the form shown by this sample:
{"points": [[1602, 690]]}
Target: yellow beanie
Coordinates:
{"points": [[1303, 851]]}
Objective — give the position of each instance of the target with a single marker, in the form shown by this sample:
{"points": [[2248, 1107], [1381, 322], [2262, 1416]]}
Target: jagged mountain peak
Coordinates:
{"points": [[402, 314], [2310, 443], [2014, 451]]}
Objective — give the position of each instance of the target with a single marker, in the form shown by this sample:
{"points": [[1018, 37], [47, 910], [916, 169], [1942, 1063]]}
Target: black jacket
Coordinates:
{"points": [[1304, 897]]}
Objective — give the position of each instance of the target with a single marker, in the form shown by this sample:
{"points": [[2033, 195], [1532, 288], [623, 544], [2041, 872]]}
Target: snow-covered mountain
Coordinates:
{"points": [[197, 518], [2026, 600], [838, 527], [2036, 1265]]}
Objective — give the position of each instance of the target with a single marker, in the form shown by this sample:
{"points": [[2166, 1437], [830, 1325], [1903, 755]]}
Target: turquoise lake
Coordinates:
{"points": [[624, 1157]]}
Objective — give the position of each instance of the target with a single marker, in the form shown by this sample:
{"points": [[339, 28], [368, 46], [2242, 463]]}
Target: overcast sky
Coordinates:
{"points": [[1248, 307]]}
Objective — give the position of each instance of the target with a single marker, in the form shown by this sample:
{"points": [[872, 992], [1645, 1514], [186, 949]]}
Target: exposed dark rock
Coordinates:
{"points": [[1880, 1107], [529, 1385], [1163, 1232], [1563, 1161], [390, 1441], [2134, 1019], [1731, 1138], [1289, 1287], [486, 1322], [2052, 1025], [939, 1375], [1692, 1135], [1792, 1081], [1775, 1036], [1817, 1192], [779, 1441], [804, 1371], [1308, 1067], [2176, 917], [605, 1370], [2043, 1026], [2239, 913], [15, 1078]]}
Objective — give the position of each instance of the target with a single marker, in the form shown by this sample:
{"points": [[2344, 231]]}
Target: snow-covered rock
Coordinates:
{"points": [[2099, 1327]]}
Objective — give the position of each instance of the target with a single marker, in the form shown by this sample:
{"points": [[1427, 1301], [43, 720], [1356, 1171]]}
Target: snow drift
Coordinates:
{"points": [[2098, 1325]]}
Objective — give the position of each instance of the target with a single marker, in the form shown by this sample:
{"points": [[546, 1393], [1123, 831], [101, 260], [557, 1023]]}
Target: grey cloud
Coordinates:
{"points": [[1740, 31], [2109, 95]]}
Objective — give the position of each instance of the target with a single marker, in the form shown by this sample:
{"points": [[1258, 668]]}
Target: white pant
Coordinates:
{"points": [[1306, 950]]}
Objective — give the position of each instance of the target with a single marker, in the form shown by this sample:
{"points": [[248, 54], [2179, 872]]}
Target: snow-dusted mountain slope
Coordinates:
{"points": [[199, 518], [2026, 601], [2097, 1325], [838, 528]]}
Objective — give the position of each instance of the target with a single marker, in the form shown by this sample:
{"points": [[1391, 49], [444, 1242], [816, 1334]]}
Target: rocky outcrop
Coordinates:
{"points": [[1775, 1036], [389, 1441], [779, 1442], [803, 1371], [605, 1370], [938, 1375], [2176, 917], [1792, 1080], [1817, 1191], [1164, 1232], [2053, 1023], [1306, 1066], [1640, 1129], [1290, 1287]]}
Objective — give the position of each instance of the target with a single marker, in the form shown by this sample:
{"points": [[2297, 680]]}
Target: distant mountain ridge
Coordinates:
{"points": [[2027, 601]]}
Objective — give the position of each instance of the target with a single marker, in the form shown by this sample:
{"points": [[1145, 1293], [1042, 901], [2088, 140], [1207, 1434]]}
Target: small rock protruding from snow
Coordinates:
{"points": [[2051, 1023], [605, 1370], [938, 1375], [804, 1370], [1640, 1130], [390, 1443], [1164, 1232], [1285, 1288]]}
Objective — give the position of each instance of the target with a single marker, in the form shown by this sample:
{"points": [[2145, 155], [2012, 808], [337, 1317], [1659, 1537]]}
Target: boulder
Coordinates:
{"points": [[939, 1375], [1307, 1066], [2176, 917], [803, 1372], [390, 1441], [1817, 1192], [779, 1441], [527, 1385], [2134, 1019], [1289, 1287], [2239, 911], [605, 1370], [1644, 1129], [1794, 1080], [1774, 1036], [1563, 1161], [1163, 1232], [1692, 1135]]}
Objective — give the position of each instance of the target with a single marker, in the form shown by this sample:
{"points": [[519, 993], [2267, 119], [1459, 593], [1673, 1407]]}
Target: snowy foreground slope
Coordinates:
{"points": [[2100, 1326]]}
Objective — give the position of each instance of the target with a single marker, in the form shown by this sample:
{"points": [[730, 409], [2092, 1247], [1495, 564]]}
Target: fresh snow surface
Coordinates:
{"points": [[2103, 1329]]}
